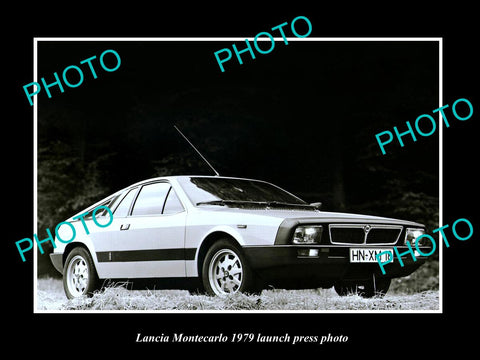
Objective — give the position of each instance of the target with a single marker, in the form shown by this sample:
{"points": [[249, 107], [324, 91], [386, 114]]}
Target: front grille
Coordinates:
{"points": [[364, 234], [345, 235], [383, 235]]}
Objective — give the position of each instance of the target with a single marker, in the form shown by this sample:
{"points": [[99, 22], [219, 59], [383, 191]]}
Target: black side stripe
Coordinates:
{"points": [[146, 255]]}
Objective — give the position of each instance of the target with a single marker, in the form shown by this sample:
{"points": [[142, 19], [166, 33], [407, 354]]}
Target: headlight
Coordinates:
{"points": [[310, 234], [412, 235]]}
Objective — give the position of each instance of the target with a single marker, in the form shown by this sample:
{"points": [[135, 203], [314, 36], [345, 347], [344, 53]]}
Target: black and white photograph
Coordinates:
{"points": [[290, 190], [272, 183]]}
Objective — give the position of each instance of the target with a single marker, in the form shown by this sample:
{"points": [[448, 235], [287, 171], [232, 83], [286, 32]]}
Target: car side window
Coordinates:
{"points": [[116, 200], [124, 206], [151, 199], [100, 212], [172, 204]]}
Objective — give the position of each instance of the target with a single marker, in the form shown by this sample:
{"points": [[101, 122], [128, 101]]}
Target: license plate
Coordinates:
{"points": [[369, 255]]}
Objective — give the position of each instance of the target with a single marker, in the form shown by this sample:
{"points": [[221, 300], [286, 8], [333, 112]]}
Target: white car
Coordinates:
{"points": [[224, 235]]}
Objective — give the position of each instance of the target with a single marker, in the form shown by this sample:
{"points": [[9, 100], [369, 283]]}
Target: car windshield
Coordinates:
{"points": [[227, 191]]}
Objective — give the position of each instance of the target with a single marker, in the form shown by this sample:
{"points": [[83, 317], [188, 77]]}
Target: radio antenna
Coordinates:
{"points": [[198, 152]]}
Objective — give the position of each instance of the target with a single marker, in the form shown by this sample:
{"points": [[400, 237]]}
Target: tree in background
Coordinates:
{"points": [[66, 184]]}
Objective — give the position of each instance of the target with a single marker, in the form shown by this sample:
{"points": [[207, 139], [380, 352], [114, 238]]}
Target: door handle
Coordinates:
{"points": [[124, 226]]}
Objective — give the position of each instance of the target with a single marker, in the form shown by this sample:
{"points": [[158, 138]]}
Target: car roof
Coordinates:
{"points": [[187, 176], [159, 179]]}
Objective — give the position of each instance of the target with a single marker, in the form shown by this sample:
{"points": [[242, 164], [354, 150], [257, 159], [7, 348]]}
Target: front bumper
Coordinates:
{"points": [[326, 263]]}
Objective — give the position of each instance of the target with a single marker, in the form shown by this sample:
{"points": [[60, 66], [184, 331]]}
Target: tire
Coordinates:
{"points": [[79, 274], [376, 286], [344, 288], [226, 271]]}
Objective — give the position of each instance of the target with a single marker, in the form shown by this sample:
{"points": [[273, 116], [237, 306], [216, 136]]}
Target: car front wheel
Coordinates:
{"points": [[225, 270], [79, 275]]}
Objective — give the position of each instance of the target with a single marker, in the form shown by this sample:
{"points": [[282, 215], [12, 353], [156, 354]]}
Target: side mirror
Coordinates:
{"points": [[317, 205]]}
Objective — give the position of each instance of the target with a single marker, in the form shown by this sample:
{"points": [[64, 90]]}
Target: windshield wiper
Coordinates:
{"points": [[212, 202], [263, 203], [279, 203], [286, 204], [228, 202]]}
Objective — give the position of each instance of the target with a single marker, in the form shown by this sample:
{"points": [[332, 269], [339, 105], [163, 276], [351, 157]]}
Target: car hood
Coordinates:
{"points": [[323, 216]]}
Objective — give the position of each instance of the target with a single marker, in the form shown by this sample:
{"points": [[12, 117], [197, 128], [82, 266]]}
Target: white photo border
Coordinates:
{"points": [[36, 41]]}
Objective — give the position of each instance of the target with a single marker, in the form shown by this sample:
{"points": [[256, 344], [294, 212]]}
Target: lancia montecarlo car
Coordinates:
{"points": [[222, 235]]}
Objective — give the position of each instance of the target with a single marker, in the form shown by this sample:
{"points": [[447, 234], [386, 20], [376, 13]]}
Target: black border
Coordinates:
{"points": [[382, 334]]}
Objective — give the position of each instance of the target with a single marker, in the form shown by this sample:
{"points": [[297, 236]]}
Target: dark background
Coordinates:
{"points": [[248, 129]]}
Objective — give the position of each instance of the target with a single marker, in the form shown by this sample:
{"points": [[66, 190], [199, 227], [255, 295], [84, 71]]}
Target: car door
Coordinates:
{"points": [[147, 237]]}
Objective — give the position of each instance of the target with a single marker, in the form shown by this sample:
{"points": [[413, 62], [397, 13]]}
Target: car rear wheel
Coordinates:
{"points": [[79, 275], [376, 286], [225, 270]]}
